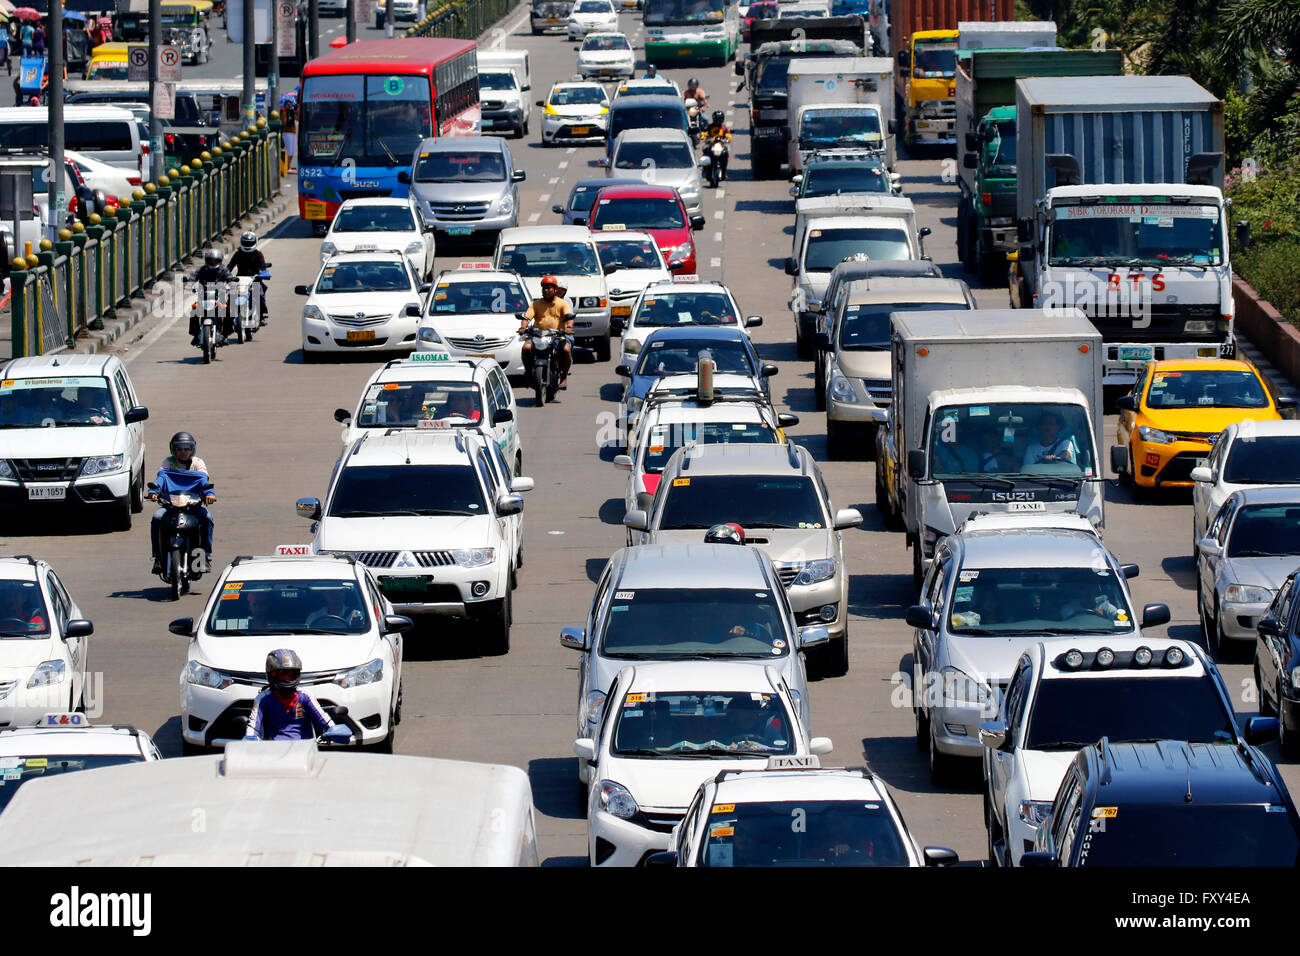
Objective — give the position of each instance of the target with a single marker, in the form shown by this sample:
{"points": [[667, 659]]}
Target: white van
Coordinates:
{"points": [[516, 60], [107, 133]]}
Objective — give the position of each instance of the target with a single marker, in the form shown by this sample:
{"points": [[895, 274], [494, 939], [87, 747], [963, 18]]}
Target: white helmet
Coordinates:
{"points": [[248, 241]]}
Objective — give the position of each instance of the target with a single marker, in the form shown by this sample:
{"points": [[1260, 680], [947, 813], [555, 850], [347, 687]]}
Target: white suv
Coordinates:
{"points": [[327, 609], [430, 514], [72, 434]]}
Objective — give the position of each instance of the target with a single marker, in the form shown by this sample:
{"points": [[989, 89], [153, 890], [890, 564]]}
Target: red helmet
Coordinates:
{"points": [[725, 534]]}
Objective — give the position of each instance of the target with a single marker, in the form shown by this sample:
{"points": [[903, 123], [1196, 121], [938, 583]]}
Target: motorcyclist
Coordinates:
{"points": [[212, 272], [651, 72], [551, 311], [248, 260], [282, 711], [717, 130], [696, 92], [182, 458]]}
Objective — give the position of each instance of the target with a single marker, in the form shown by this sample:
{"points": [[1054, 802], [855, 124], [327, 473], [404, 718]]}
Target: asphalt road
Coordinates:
{"points": [[264, 425]]}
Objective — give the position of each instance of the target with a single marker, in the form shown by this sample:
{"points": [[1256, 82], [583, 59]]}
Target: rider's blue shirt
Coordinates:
{"points": [[302, 719]]}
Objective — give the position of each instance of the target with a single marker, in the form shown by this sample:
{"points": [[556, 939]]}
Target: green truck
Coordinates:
{"points": [[986, 139]]}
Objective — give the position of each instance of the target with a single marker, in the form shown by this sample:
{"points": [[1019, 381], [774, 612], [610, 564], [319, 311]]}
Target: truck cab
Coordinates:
{"points": [[928, 69], [990, 233]]}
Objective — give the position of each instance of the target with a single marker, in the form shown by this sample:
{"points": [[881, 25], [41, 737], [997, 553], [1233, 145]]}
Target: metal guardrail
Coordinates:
{"points": [[463, 20], [92, 270]]}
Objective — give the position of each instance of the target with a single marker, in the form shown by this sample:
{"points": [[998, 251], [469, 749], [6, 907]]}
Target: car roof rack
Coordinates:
{"points": [[23, 557]]}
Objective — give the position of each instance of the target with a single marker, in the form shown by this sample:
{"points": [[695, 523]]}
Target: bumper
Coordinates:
{"points": [[549, 24], [956, 728], [1237, 621], [805, 602], [493, 120], [396, 333], [768, 141], [24, 706], [96, 490], [1019, 835], [591, 323], [631, 842], [208, 714], [558, 130], [932, 130], [1123, 361], [856, 413], [614, 71], [669, 52], [449, 592], [460, 228], [1167, 466]]}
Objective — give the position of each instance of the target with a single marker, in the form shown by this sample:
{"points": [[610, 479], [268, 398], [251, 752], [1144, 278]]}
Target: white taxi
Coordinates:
{"points": [[380, 223], [361, 302], [665, 729], [631, 260], [590, 16], [43, 643], [328, 610], [64, 743], [606, 55], [683, 301], [433, 391], [473, 313], [575, 112]]}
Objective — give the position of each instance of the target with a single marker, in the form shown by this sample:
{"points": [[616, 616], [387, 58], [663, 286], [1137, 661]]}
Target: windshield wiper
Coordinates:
{"points": [[639, 752], [1260, 554], [311, 630], [720, 752], [430, 512], [1067, 630], [1065, 745], [387, 151], [366, 514], [1068, 480], [978, 632]]}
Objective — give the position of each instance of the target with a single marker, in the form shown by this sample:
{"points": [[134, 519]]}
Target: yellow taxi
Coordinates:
{"points": [[108, 61], [1177, 409]]}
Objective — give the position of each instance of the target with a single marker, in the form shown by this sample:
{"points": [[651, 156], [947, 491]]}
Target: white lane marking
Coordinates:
{"points": [[570, 151], [534, 217], [544, 198], [554, 180], [563, 165], [718, 214], [717, 236], [715, 263], [721, 194]]}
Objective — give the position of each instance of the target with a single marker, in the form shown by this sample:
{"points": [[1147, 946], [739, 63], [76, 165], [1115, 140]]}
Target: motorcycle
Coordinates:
{"points": [[695, 123], [715, 158], [213, 307], [547, 347], [250, 301], [180, 534], [340, 735]]}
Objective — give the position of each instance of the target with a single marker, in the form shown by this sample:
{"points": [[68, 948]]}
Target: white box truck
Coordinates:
{"points": [[994, 410], [840, 103]]}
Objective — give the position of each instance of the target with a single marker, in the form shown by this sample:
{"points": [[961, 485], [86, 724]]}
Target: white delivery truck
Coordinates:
{"points": [[830, 229], [994, 410], [840, 103]]}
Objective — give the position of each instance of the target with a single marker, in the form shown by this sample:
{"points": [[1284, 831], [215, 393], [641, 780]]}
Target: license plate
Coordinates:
{"points": [[486, 124], [1136, 355], [1027, 506], [459, 230], [361, 335], [621, 311], [415, 583], [490, 355], [554, 20], [684, 51], [315, 209], [581, 130], [57, 493]]}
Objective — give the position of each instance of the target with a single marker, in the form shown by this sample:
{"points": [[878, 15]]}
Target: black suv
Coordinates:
{"points": [[1171, 803], [1277, 658]]}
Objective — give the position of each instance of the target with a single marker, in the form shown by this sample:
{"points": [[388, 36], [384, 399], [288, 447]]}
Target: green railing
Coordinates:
{"points": [[93, 270], [465, 20]]}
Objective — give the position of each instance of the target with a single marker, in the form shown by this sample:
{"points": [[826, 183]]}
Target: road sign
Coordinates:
{"points": [[164, 101], [286, 19], [137, 63], [169, 64]]}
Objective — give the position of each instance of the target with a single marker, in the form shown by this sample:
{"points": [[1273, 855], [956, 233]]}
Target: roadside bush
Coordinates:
{"points": [[1268, 197]]}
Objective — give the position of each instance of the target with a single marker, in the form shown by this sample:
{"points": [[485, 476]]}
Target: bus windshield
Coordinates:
{"points": [[364, 120], [669, 13]]}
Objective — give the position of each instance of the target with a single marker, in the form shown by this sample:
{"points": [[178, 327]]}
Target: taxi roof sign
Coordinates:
{"points": [[64, 720], [476, 264], [430, 356], [794, 762], [292, 550], [682, 278]]}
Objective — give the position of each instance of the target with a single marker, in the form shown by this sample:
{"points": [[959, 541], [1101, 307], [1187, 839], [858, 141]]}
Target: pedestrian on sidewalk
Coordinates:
{"points": [[28, 37], [38, 41]]}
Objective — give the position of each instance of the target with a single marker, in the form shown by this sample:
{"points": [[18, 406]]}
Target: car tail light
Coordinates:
{"points": [[133, 180], [986, 199], [169, 141]]}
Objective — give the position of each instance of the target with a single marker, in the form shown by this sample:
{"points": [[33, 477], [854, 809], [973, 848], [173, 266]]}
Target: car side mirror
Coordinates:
{"points": [[1209, 547], [1285, 403], [574, 638], [847, 518], [702, 162], [753, 321], [78, 627], [1037, 859], [1268, 624], [662, 858], [940, 856], [1201, 473], [397, 624], [1261, 730], [1153, 615], [924, 231], [969, 161], [502, 415], [308, 508], [993, 734], [1130, 571], [916, 464], [184, 626], [921, 617], [791, 267], [1118, 458], [972, 140], [636, 520], [342, 416], [404, 176], [558, 209], [1126, 403], [302, 290], [541, 102], [585, 749], [697, 223], [787, 419], [522, 484], [814, 635], [412, 310], [623, 371], [768, 370], [617, 324], [1027, 254], [623, 461], [509, 505], [136, 413], [518, 176], [820, 745]]}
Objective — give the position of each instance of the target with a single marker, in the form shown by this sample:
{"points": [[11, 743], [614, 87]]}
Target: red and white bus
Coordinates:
{"points": [[366, 107]]}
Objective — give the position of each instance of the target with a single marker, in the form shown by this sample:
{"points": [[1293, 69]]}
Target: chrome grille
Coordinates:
{"points": [[880, 390], [376, 559], [493, 104], [258, 678], [359, 323], [475, 345], [787, 573], [434, 559], [6, 686], [47, 469], [458, 210], [660, 821], [1210, 437]]}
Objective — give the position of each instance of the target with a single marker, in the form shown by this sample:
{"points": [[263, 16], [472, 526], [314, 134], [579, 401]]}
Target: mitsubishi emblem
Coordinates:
{"points": [[404, 560]]}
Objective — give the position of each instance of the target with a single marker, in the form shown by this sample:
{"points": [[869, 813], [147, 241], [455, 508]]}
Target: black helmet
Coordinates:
{"points": [[725, 534], [651, 69], [248, 241], [211, 256], [693, 81], [718, 117], [287, 665], [183, 440]]}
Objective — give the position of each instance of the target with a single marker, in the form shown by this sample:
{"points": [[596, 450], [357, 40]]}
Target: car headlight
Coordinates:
{"points": [[595, 704], [313, 313], [590, 302], [1295, 677], [680, 253], [196, 673], [7, 470], [48, 672], [1035, 812], [1246, 594], [617, 799], [364, 674], [842, 390], [413, 247], [102, 465], [506, 204], [475, 557], [1155, 436], [815, 572], [327, 249], [429, 334], [961, 687]]}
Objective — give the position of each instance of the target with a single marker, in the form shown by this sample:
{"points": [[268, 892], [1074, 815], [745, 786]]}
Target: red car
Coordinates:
{"points": [[762, 10], [657, 210]]}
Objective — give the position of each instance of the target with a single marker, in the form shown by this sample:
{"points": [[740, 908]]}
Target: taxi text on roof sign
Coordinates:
{"points": [[794, 762], [292, 550], [65, 720], [430, 357], [475, 265], [681, 278]]}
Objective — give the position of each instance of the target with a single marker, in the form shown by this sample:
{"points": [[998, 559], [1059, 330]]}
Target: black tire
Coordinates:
{"points": [[494, 626], [176, 574], [835, 657], [524, 131], [991, 266], [539, 388], [310, 358], [137, 494], [122, 515], [552, 387], [993, 829], [802, 344], [239, 331], [209, 350], [1286, 740], [918, 566], [882, 499], [920, 722], [838, 447], [604, 348], [819, 380], [385, 746], [1266, 708], [963, 246], [943, 767], [192, 750]]}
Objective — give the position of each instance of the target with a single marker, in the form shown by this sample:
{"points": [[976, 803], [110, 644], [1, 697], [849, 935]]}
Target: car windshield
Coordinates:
{"points": [[772, 76], [505, 80], [582, 197], [669, 116], [1012, 440], [19, 770], [866, 327], [685, 308], [473, 166], [374, 219], [618, 254], [593, 6], [997, 602], [653, 155], [663, 212], [827, 248], [352, 277], [476, 298], [668, 623], [1262, 460], [1185, 834], [578, 96], [1136, 234], [1209, 388], [425, 404], [751, 501], [803, 833], [935, 59], [1260, 531], [835, 126], [834, 179], [72, 401], [694, 724], [1071, 713], [378, 491], [22, 611], [677, 356], [664, 440], [289, 607], [108, 70], [550, 258], [605, 43]]}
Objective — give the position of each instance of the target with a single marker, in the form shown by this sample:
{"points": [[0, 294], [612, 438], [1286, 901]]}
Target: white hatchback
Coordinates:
{"points": [[43, 643], [328, 610], [361, 301], [381, 224]]}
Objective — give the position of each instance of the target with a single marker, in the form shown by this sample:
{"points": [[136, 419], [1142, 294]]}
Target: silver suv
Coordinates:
{"points": [[465, 185]]}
